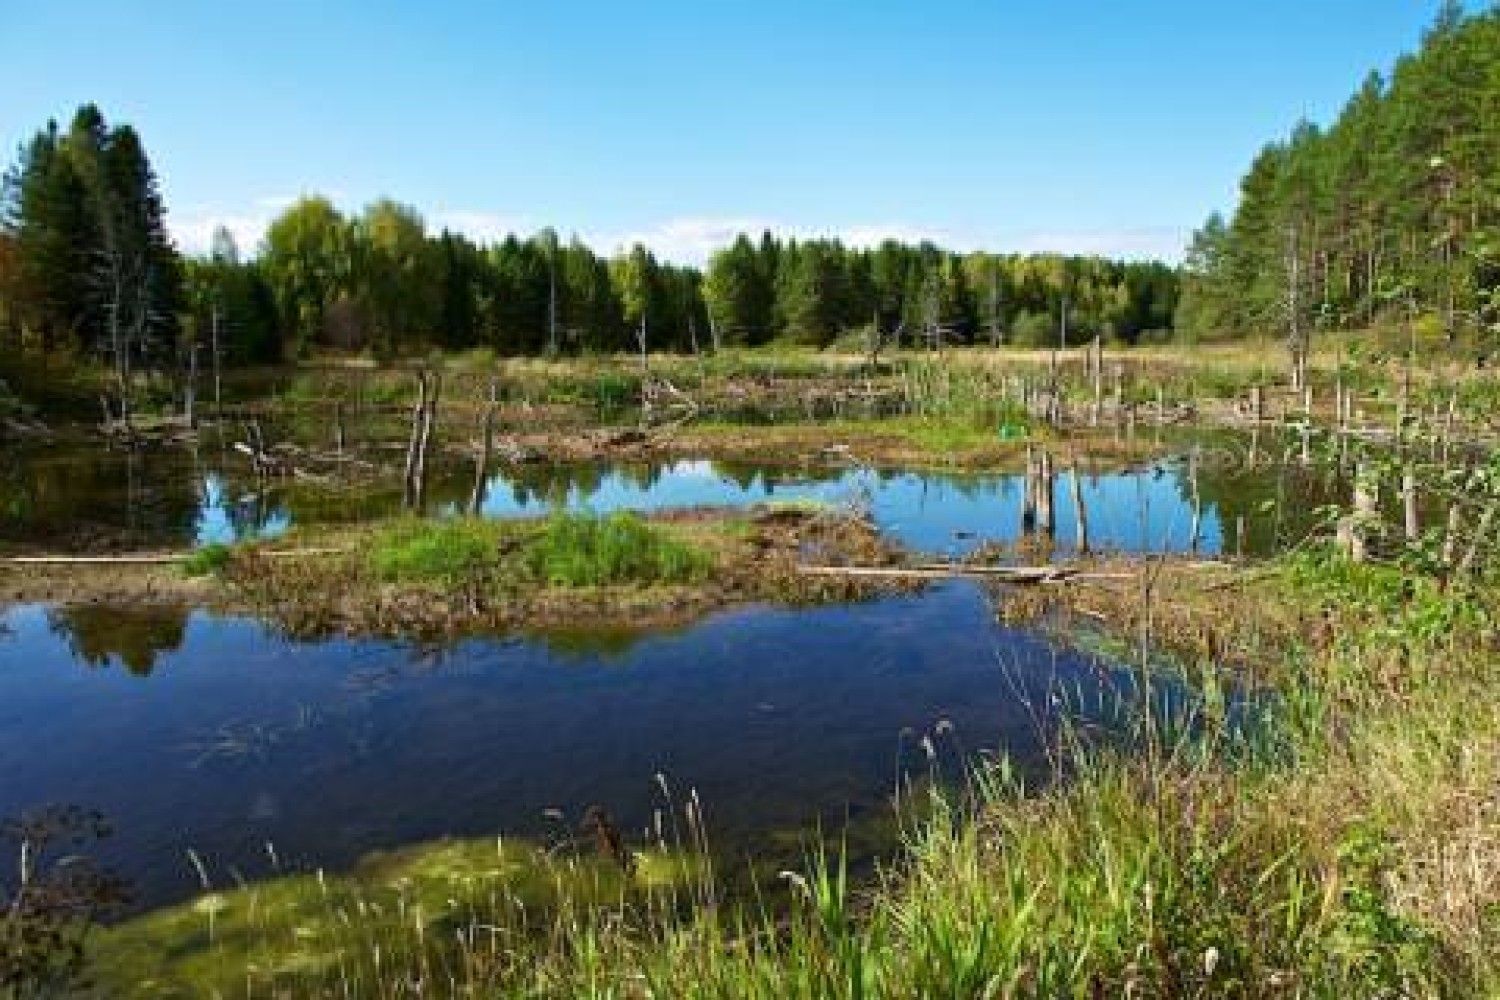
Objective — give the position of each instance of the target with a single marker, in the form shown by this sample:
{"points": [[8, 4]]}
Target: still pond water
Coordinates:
{"points": [[77, 500], [195, 732]]}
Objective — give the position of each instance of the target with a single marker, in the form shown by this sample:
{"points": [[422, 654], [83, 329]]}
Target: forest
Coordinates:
{"points": [[87, 267], [1389, 215]]}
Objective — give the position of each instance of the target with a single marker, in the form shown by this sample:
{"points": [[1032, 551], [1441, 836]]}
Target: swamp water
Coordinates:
{"points": [[214, 735], [82, 499]]}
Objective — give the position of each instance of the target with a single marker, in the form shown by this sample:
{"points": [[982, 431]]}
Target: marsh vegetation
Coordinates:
{"points": [[437, 619]]}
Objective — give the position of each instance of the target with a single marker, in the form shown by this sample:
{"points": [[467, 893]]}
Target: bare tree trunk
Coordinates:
{"points": [[429, 420], [1354, 529], [1409, 504], [1046, 487], [482, 466], [414, 443], [1098, 374], [1295, 345], [1028, 502], [218, 385], [1197, 525], [1450, 535], [190, 391], [1482, 529], [1080, 514]]}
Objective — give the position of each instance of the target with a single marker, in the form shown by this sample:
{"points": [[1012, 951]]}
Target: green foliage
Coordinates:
{"points": [[438, 551], [88, 262], [1388, 213], [564, 550], [1401, 606], [586, 550], [207, 560]]}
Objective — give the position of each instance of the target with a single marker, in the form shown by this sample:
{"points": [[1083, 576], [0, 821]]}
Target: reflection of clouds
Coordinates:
{"points": [[693, 469]]}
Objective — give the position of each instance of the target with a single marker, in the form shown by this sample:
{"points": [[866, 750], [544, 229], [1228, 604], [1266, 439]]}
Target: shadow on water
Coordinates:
{"points": [[779, 719]]}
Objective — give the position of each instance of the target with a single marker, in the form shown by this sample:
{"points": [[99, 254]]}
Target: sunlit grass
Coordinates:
{"points": [[1347, 846], [588, 550]]}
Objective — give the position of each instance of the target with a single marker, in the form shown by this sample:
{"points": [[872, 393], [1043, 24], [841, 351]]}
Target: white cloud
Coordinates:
{"points": [[1151, 242], [194, 230], [693, 239]]}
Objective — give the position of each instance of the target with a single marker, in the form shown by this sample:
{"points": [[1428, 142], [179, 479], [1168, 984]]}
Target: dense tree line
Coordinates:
{"points": [[813, 291], [86, 266], [1391, 214]]}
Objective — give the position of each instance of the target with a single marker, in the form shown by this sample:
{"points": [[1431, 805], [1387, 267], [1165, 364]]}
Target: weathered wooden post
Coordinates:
{"points": [[1028, 501], [414, 441], [423, 418], [1097, 364], [1451, 533], [1197, 527], [1047, 522], [1409, 504], [1080, 515], [1481, 531], [190, 393], [482, 465], [1353, 533]]}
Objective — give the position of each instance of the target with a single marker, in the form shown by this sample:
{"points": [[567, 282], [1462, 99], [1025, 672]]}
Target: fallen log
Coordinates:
{"points": [[152, 558], [1006, 574]]}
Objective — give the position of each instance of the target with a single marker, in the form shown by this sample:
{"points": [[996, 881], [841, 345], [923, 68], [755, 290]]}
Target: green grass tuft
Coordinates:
{"points": [[439, 551], [211, 559], [587, 550]]}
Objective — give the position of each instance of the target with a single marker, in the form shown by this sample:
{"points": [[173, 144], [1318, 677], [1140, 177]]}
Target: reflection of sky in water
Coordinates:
{"points": [[237, 737], [931, 512], [224, 519]]}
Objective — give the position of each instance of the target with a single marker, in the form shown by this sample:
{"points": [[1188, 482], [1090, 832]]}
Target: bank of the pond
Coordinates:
{"points": [[1351, 850]]}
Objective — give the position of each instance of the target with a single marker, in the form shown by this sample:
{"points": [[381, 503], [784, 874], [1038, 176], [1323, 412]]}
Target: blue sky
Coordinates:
{"points": [[1091, 126]]}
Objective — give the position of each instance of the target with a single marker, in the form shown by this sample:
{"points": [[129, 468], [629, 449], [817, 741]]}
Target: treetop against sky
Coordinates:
{"points": [[1087, 127]]}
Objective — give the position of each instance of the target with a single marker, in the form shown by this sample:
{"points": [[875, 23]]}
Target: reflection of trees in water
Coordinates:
{"points": [[133, 634], [145, 497]]}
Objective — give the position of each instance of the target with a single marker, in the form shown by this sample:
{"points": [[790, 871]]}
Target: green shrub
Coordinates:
{"points": [[586, 550]]}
